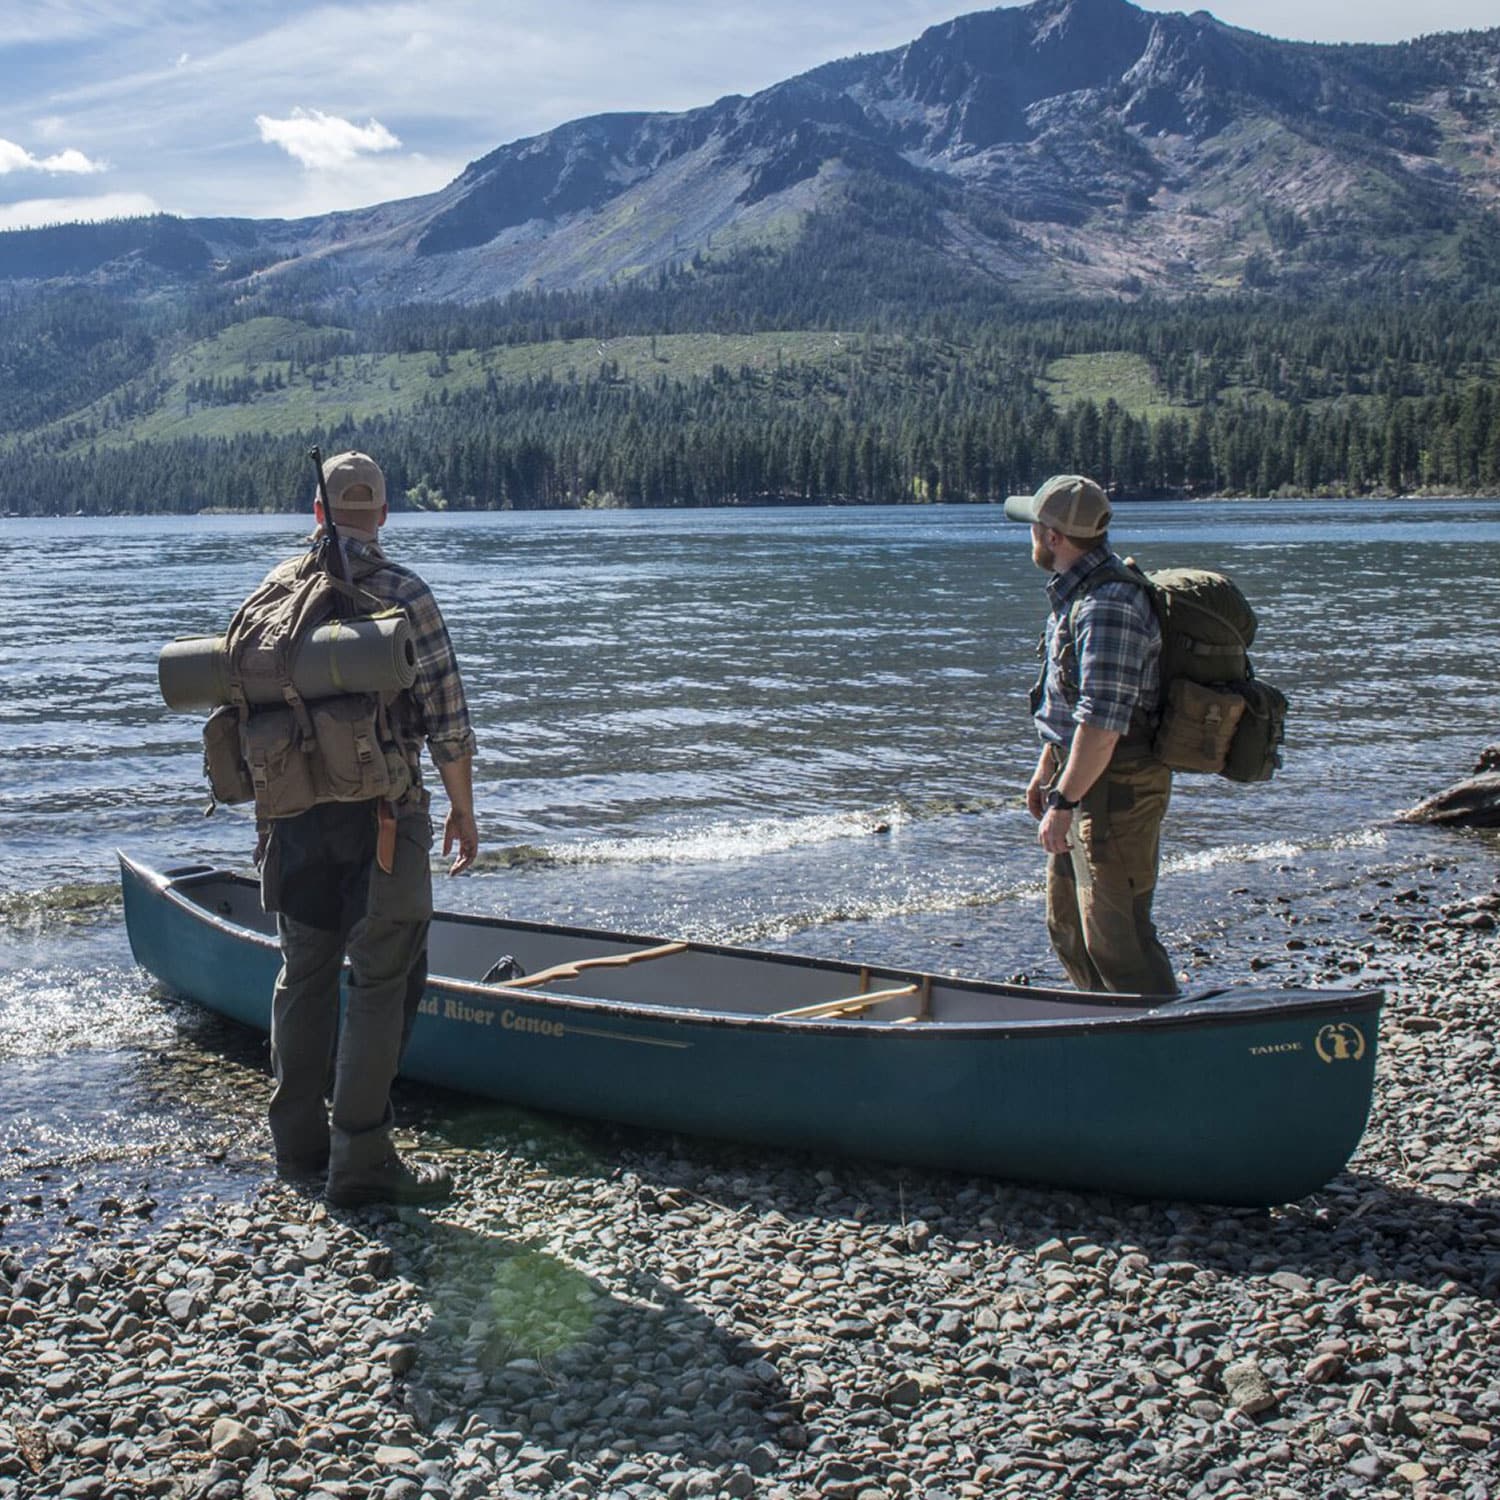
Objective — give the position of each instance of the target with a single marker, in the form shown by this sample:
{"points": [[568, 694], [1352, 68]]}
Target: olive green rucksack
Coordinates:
{"points": [[1216, 715]]}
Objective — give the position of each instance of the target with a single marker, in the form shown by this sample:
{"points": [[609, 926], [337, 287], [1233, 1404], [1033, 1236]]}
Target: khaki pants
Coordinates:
{"points": [[1099, 894]]}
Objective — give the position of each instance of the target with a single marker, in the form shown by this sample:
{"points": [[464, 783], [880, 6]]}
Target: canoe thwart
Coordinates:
{"points": [[842, 1007], [577, 966]]}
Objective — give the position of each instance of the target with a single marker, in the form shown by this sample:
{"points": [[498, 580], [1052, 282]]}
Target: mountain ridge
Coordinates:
{"points": [[1061, 147]]}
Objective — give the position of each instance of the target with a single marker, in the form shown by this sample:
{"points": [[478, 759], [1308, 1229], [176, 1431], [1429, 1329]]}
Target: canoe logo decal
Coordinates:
{"points": [[454, 1009], [1340, 1041]]}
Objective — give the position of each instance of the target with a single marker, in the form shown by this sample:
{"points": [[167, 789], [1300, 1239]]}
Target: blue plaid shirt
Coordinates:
{"points": [[435, 707], [1114, 643]]}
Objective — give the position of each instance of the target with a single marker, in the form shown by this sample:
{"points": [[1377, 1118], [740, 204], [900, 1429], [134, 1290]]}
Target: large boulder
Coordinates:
{"points": [[1471, 803]]}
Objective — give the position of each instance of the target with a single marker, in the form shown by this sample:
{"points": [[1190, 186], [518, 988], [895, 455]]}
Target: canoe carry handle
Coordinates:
{"points": [[572, 970], [841, 1007]]}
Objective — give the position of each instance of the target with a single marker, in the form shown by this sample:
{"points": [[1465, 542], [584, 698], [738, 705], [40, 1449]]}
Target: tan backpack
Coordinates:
{"points": [[288, 755]]}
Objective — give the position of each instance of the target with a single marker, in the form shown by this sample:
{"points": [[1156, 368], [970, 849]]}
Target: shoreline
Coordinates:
{"points": [[1322, 495], [606, 1312]]}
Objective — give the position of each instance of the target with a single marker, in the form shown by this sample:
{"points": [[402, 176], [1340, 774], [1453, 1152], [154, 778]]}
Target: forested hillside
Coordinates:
{"points": [[740, 387]]}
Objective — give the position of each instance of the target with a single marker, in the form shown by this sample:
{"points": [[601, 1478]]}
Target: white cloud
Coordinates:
{"points": [[71, 161], [40, 23], [324, 142], [34, 213], [14, 158]]}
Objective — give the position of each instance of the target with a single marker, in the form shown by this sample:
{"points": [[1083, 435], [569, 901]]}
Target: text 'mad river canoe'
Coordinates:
{"points": [[1242, 1096]]}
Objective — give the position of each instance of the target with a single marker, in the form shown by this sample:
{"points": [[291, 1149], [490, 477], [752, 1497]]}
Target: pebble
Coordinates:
{"points": [[616, 1314], [1248, 1388]]}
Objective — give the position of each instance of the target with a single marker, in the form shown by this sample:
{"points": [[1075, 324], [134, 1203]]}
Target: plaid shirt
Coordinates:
{"points": [[1114, 639], [434, 708]]}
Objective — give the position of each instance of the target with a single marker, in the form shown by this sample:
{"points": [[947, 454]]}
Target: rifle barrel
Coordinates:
{"points": [[334, 559]]}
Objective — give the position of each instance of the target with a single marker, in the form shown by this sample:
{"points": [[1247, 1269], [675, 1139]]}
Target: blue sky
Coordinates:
{"points": [[273, 109]]}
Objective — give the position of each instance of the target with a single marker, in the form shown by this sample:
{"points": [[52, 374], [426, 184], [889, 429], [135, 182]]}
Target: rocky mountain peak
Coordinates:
{"points": [[1081, 145]]}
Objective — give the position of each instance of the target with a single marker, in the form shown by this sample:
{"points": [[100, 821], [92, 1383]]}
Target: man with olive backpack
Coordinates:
{"points": [[1140, 676], [346, 843]]}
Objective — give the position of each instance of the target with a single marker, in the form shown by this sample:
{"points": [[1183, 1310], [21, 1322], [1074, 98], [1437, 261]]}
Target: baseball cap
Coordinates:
{"points": [[1068, 503], [344, 471]]}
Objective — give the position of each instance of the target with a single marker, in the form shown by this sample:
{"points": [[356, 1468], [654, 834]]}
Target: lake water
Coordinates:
{"points": [[801, 729]]}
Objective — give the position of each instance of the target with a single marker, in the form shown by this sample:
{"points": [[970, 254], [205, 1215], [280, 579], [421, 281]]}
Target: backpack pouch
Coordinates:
{"points": [[1198, 725], [279, 765], [352, 765], [1255, 752], [223, 763]]}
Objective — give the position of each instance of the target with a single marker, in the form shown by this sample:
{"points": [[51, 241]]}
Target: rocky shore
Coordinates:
{"points": [[613, 1314]]}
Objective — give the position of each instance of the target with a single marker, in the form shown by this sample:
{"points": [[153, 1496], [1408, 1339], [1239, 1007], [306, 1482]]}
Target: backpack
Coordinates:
{"points": [[269, 745], [1216, 715]]}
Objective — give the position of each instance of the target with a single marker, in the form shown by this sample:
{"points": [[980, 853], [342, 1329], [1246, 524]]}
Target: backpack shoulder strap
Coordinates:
{"points": [[1116, 570], [361, 570]]}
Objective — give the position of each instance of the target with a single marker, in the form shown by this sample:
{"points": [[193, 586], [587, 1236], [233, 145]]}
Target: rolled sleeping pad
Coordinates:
{"points": [[373, 654]]}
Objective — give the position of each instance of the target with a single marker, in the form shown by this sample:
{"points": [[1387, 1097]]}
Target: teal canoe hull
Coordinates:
{"points": [[1252, 1097]]}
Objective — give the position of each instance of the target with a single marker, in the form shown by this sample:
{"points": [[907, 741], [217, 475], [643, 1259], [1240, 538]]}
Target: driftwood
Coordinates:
{"points": [[1471, 803]]}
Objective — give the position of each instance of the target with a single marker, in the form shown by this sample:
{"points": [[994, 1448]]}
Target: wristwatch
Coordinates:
{"points": [[1055, 799]]}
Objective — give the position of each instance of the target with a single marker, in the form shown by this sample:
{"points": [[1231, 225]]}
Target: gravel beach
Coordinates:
{"points": [[655, 1317]]}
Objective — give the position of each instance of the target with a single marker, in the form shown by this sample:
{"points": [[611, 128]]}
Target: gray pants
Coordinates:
{"points": [[318, 1060], [1099, 893]]}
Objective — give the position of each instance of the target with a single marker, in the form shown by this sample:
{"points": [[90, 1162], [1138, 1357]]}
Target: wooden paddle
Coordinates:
{"points": [[838, 1007], [572, 970]]}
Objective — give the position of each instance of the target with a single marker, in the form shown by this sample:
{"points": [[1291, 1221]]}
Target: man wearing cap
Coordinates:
{"points": [[338, 891], [1098, 793]]}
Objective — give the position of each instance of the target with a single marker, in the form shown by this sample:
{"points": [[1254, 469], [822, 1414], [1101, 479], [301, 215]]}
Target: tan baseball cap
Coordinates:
{"points": [[1068, 503], [344, 471]]}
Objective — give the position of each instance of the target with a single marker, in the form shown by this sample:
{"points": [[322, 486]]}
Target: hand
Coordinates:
{"points": [[459, 828], [1036, 796], [1056, 826]]}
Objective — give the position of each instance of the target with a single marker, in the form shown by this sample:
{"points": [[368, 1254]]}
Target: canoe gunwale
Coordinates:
{"points": [[1218, 1008]]}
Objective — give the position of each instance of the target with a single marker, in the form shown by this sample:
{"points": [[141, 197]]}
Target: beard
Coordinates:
{"points": [[1043, 556]]}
